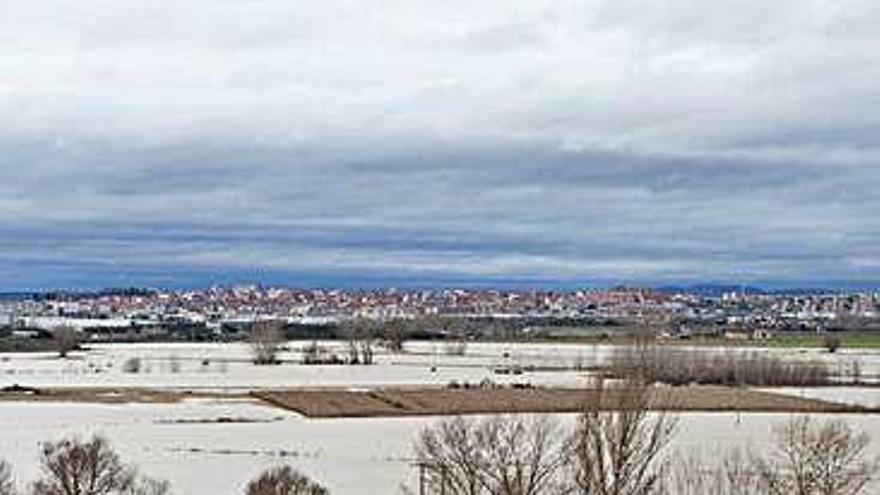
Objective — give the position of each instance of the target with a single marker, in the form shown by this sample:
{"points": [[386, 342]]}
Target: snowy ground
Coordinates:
{"points": [[227, 366], [347, 455]]}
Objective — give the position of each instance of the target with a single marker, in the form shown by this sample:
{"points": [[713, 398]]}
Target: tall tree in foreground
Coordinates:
{"points": [[74, 467], [810, 459], [617, 445], [807, 459], [284, 480], [501, 455]]}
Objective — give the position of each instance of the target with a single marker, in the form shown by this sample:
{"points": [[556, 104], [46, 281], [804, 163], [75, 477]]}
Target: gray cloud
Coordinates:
{"points": [[570, 141]]}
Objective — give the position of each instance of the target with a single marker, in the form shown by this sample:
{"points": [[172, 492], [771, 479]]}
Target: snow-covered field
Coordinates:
{"points": [[204, 458], [347, 455], [227, 366]]}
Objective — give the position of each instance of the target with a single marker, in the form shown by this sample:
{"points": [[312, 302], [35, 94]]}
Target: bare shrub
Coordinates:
{"points": [[394, 334], [690, 475], [676, 366], [132, 365], [807, 459], [455, 347], [810, 459], [643, 335], [315, 354], [74, 467], [174, 364], [283, 480], [501, 455], [266, 340], [7, 484], [148, 486], [66, 340], [361, 333], [855, 371], [618, 451], [831, 343]]}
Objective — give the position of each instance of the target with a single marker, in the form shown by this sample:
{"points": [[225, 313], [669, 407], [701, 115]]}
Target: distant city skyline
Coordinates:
{"points": [[498, 143]]}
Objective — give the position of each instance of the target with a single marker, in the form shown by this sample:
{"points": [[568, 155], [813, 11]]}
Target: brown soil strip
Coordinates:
{"points": [[393, 402], [104, 395]]}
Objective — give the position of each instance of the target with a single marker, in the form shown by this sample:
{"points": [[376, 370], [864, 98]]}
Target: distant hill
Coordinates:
{"points": [[717, 290], [711, 290], [18, 296]]}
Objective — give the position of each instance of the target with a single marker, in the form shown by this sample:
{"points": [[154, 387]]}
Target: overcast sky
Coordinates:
{"points": [[423, 142]]}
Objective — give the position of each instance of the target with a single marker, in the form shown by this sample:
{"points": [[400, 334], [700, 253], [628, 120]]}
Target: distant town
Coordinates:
{"points": [[229, 313]]}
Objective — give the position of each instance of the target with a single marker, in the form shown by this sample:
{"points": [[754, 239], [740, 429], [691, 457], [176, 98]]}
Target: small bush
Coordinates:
{"points": [[832, 343], [66, 340], [284, 480], [174, 364], [455, 348], [132, 365], [266, 339], [314, 354]]}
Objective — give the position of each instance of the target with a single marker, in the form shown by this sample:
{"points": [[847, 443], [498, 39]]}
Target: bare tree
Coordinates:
{"points": [[361, 333], [266, 339], [809, 459], [74, 467], [66, 340], [148, 486], [690, 475], [7, 484], [832, 343], [502, 455], [616, 447], [450, 458], [283, 480], [394, 334], [71, 467]]}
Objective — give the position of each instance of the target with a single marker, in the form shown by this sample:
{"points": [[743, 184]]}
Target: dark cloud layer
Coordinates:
{"points": [[419, 143]]}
